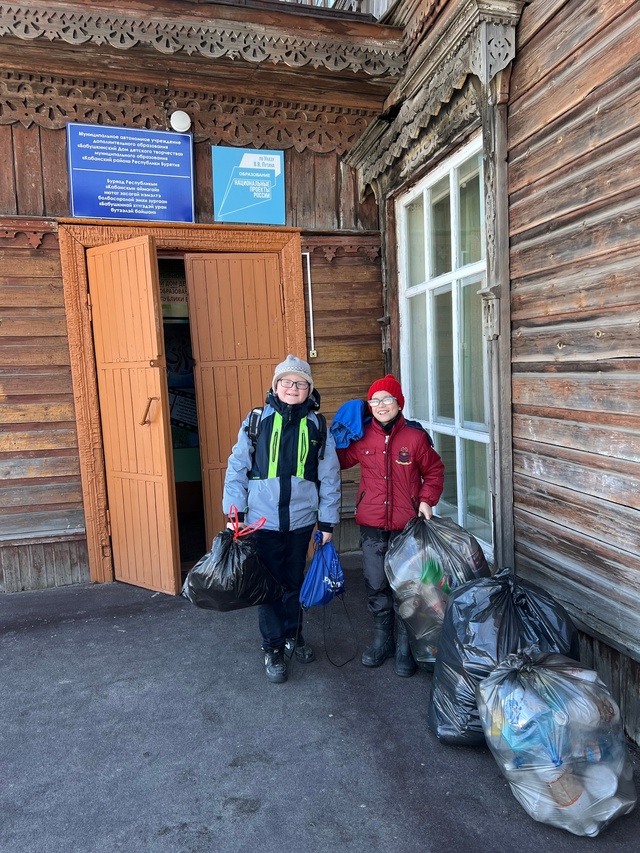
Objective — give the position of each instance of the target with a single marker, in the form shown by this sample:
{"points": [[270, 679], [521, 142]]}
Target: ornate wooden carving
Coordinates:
{"points": [[240, 121], [335, 245], [213, 39], [31, 232], [477, 42]]}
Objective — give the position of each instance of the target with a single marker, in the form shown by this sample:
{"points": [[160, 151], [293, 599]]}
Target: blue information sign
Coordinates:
{"points": [[121, 173], [248, 186]]}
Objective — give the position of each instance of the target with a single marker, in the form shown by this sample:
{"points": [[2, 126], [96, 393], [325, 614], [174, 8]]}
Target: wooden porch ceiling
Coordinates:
{"points": [[245, 50]]}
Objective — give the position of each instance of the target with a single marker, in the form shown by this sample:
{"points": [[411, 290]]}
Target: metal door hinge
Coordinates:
{"points": [[89, 307], [108, 524]]}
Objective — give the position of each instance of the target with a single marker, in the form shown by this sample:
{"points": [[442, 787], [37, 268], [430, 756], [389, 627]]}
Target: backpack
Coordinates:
{"points": [[255, 422]]}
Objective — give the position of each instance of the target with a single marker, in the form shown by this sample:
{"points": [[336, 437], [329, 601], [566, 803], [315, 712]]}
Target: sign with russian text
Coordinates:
{"points": [[122, 173], [248, 186]]}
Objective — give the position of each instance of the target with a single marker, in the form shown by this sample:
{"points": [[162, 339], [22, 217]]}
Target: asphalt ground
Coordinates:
{"points": [[134, 721]]}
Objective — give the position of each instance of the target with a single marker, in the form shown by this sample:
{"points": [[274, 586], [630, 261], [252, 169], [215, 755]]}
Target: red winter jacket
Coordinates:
{"points": [[399, 470]]}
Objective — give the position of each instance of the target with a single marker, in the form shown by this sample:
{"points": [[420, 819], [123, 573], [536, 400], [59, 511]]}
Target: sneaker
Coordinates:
{"points": [[275, 666], [304, 653]]}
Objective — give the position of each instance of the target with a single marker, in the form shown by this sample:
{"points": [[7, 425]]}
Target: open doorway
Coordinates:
{"points": [[185, 437]]}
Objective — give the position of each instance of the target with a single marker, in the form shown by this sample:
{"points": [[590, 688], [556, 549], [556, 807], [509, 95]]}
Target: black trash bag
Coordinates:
{"points": [[231, 576], [486, 621], [424, 563]]}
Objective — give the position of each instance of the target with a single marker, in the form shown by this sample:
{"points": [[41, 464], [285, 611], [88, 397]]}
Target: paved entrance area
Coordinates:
{"points": [[132, 721]]}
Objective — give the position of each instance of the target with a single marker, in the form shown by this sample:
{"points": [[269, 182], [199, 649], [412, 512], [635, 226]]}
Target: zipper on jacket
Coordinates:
{"points": [[274, 446], [360, 499], [387, 472], [303, 447]]}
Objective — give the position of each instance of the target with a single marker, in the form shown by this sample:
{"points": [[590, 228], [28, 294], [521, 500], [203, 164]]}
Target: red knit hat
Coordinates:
{"points": [[389, 384]]}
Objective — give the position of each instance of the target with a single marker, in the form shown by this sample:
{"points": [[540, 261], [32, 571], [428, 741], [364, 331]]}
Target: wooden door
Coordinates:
{"points": [[134, 411], [237, 316]]}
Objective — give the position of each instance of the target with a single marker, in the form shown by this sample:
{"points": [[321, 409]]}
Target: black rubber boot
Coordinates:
{"points": [[383, 645], [405, 664]]}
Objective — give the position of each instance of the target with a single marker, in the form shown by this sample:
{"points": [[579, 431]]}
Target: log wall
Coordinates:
{"points": [[41, 519], [574, 188]]}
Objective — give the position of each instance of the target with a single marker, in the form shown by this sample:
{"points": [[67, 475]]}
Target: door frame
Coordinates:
{"points": [[75, 237]]}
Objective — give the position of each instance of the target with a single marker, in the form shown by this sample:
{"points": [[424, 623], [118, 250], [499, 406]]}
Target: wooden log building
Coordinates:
{"points": [[461, 208]]}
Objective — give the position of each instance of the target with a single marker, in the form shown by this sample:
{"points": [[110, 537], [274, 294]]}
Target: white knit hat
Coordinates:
{"points": [[294, 365]]}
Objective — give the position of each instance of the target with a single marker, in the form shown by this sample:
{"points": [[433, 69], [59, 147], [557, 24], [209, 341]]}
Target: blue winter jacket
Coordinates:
{"points": [[284, 479]]}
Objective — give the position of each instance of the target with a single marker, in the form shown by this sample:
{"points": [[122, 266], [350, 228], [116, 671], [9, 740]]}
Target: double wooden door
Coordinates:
{"points": [[237, 314]]}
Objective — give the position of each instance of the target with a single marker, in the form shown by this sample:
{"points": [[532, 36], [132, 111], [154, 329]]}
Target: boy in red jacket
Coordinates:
{"points": [[401, 476]]}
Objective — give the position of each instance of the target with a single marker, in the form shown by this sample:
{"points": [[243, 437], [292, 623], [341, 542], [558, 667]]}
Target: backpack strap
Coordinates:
{"points": [[253, 426], [418, 425], [322, 427]]}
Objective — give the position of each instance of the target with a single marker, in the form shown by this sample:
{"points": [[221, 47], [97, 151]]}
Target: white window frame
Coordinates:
{"points": [[454, 280]]}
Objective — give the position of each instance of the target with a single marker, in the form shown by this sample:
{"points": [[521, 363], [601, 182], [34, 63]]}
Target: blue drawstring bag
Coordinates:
{"points": [[325, 577]]}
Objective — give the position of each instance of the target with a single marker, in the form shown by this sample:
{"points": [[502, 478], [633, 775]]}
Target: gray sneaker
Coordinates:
{"points": [[275, 666], [303, 651]]}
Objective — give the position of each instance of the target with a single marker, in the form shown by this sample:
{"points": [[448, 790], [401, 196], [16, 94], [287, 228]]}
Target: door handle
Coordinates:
{"points": [[145, 417]]}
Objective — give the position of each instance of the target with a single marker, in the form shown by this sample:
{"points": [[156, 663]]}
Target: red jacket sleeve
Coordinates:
{"points": [[432, 473], [348, 456]]}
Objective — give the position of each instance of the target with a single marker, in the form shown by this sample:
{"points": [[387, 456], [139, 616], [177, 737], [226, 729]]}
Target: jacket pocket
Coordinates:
{"points": [[359, 501]]}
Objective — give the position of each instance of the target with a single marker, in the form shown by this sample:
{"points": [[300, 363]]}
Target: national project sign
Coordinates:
{"points": [[248, 186], [122, 173]]}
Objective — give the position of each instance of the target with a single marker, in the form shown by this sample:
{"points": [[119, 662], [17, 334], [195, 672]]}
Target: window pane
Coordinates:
{"points": [[472, 347], [446, 447], [417, 307], [470, 236], [415, 242], [477, 515], [440, 228], [443, 354]]}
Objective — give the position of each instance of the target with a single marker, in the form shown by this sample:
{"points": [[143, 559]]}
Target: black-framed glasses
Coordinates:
{"points": [[384, 401], [289, 383]]}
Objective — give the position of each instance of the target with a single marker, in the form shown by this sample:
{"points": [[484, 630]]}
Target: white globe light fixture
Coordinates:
{"points": [[180, 121]]}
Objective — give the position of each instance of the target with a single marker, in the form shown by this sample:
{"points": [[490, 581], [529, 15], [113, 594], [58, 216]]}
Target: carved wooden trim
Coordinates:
{"points": [[51, 102], [75, 238], [213, 39], [479, 41], [32, 231], [331, 248]]}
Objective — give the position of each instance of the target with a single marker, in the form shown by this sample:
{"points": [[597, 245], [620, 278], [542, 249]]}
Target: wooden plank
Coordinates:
{"points": [[570, 80], [43, 565], [16, 413], [599, 476], [55, 172], [38, 467], [51, 381], [28, 169], [203, 179], [31, 293], [40, 495], [575, 31], [8, 193], [38, 439], [34, 354], [608, 112], [611, 620], [533, 19], [578, 393], [51, 325], [603, 439], [609, 338], [597, 233], [327, 185], [600, 175], [611, 284], [18, 262], [617, 526]]}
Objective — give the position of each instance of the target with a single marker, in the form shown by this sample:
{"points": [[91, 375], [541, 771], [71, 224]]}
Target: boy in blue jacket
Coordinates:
{"points": [[288, 474]]}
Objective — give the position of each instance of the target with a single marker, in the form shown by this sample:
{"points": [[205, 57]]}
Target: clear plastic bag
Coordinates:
{"points": [[427, 560], [486, 621], [555, 732]]}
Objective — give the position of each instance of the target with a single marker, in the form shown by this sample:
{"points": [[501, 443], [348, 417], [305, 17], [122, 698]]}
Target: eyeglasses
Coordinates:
{"points": [[289, 383], [385, 401]]}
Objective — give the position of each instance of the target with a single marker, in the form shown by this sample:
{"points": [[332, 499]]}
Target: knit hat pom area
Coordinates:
{"points": [[389, 384], [294, 365]]}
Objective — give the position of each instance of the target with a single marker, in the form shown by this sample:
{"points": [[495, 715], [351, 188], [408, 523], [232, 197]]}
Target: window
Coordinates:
{"points": [[444, 354]]}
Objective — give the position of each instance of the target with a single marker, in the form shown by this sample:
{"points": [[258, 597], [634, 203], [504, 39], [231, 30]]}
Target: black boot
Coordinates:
{"points": [[383, 645], [405, 664]]}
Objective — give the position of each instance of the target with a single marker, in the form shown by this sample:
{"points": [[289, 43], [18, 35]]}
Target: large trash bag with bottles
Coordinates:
{"points": [[424, 563], [486, 621], [555, 732], [231, 575]]}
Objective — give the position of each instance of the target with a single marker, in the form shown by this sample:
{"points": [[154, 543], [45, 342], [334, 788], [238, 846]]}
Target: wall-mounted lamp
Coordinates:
{"points": [[180, 121]]}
